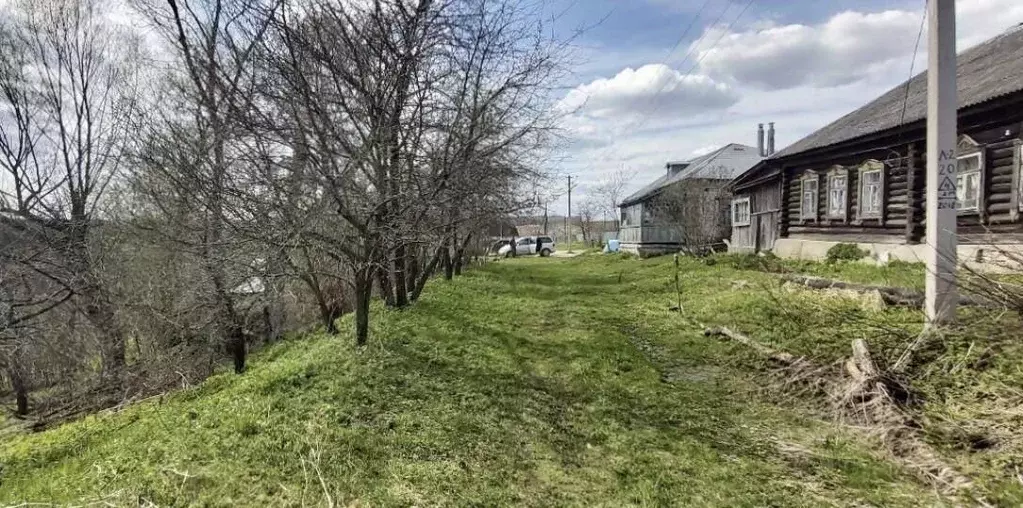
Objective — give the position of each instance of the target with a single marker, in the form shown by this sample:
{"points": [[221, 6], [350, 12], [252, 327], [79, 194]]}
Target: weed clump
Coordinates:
{"points": [[762, 262], [845, 252]]}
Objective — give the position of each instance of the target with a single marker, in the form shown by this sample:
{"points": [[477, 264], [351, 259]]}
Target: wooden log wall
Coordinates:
{"points": [[905, 196], [900, 197]]}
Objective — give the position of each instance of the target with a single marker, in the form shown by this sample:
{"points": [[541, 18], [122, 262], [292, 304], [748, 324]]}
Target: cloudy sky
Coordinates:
{"points": [[659, 80]]}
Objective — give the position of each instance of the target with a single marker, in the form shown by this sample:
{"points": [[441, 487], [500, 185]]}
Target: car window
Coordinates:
{"points": [[546, 239], [524, 241]]}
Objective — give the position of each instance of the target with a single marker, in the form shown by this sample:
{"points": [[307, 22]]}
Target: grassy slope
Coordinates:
{"points": [[534, 382]]}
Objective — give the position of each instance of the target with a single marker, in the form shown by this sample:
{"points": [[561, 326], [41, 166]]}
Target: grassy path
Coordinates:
{"points": [[536, 382]]}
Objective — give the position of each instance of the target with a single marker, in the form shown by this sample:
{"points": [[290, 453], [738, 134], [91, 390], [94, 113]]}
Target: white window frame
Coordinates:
{"points": [[812, 214], [749, 212], [868, 167], [838, 172], [962, 175], [1018, 168]]}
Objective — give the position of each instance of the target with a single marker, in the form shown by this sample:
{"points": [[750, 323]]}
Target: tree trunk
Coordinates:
{"points": [[412, 274], [398, 278], [230, 322], [95, 302], [460, 254], [417, 289], [449, 267], [384, 285], [20, 390], [100, 312], [238, 352], [330, 317], [363, 292], [330, 309]]}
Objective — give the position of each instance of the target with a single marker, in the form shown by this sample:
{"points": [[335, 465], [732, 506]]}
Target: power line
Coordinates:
{"points": [[667, 56], [912, 63], [894, 154], [720, 38], [686, 31], [691, 49], [717, 21]]}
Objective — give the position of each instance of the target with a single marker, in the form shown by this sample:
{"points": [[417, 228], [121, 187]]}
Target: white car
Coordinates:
{"points": [[524, 246]]}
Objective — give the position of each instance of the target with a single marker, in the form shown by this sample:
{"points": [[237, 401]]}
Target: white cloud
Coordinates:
{"points": [[651, 90], [842, 50], [703, 150], [801, 76], [850, 46]]}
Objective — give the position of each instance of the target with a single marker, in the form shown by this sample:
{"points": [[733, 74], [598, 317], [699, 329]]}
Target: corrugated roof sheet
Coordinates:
{"points": [[725, 163], [983, 72]]}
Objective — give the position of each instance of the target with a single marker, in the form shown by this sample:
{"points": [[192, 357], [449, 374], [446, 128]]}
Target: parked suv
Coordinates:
{"points": [[526, 245]]}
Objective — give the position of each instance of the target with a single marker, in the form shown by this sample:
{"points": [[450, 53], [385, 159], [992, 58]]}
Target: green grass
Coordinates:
{"points": [[536, 382]]}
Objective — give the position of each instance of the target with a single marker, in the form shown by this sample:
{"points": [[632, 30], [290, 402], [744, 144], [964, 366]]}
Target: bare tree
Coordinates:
{"points": [[69, 79], [696, 211], [413, 121], [587, 226], [195, 165], [611, 191], [27, 299]]}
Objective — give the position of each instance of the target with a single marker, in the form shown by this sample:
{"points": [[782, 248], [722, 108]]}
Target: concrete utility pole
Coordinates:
{"points": [[568, 219], [941, 294], [545, 217]]}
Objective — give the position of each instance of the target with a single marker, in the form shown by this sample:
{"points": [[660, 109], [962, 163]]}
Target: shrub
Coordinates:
{"points": [[621, 254], [898, 264], [762, 262], [845, 252]]}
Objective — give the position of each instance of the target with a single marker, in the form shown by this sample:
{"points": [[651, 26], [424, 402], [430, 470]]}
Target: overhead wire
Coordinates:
{"points": [[693, 47]]}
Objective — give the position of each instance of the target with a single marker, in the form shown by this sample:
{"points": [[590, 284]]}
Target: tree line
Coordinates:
{"points": [[182, 180]]}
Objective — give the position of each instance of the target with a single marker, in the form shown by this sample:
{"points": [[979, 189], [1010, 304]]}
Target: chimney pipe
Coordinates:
{"points": [[760, 140], [770, 138]]}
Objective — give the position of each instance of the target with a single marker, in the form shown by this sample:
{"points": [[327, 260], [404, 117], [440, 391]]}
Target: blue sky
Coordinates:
{"points": [[631, 102]]}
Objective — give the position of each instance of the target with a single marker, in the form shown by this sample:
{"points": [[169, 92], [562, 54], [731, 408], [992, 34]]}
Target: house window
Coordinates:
{"points": [[808, 198], [968, 182], [838, 184], [871, 198], [740, 212], [631, 215], [1019, 163]]}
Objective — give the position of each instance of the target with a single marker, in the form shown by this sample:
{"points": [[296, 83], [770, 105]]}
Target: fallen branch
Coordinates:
{"points": [[894, 296], [865, 399], [767, 351]]}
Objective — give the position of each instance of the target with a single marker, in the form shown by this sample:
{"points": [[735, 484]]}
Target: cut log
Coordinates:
{"points": [[893, 296]]}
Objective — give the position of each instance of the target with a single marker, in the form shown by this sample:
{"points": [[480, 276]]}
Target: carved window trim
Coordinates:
{"points": [[737, 219], [1017, 167], [840, 210], [968, 148], [869, 167], [962, 178], [808, 178]]}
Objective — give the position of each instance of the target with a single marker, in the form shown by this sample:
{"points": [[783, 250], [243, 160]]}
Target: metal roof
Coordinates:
{"points": [[987, 71], [725, 163]]}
